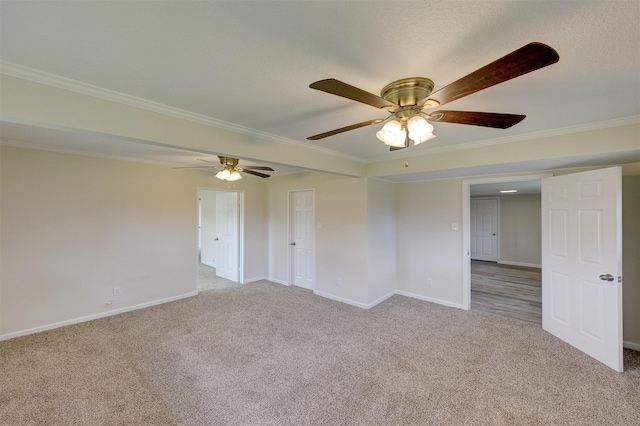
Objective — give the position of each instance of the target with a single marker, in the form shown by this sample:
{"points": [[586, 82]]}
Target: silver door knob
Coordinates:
{"points": [[215, 239], [293, 244], [606, 277]]}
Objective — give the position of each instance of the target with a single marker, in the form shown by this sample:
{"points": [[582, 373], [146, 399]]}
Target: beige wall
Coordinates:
{"points": [[381, 239], [75, 227], [520, 230], [341, 240], [631, 257], [427, 246]]}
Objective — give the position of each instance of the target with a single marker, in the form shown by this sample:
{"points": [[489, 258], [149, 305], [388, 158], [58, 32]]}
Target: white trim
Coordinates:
{"points": [[381, 299], [631, 345], [341, 299], [253, 280], [60, 82], [94, 316], [528, 265], [277, 281], [430, 299]]}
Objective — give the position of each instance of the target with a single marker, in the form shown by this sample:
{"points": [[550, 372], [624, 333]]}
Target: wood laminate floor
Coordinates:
{"points": [[513, 291]]}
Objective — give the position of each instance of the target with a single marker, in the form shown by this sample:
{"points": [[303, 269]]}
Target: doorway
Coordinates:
{"points": [[466, 212], [220, 219]]}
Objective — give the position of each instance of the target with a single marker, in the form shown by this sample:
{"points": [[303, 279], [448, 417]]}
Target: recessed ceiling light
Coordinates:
{"points": [[508, 191]]}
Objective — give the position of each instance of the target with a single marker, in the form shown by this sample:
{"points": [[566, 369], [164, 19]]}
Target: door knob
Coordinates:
{"points": [[215, 239], [293, 244], [606, 277]]}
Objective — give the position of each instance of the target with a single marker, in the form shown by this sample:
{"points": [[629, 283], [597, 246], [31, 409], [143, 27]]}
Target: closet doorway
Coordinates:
{"points": [[220, 218]]}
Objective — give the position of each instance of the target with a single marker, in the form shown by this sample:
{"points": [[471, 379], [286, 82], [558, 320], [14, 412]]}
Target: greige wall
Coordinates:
{"points": [[427, 247], [381, 239], [520, 230], [341, 240], [631, 258], [74, 227]]}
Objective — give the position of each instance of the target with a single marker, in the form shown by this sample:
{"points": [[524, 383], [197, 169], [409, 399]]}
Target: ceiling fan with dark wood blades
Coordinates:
{"points": [[407, 99], [230, 169]]}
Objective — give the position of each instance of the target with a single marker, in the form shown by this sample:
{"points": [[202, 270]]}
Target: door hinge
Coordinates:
{"points": [[620, 279]]}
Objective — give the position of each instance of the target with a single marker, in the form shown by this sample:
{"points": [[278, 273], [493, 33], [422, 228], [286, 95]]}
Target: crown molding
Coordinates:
{"points": [[65, 83], [517, 138], [84, 153]]}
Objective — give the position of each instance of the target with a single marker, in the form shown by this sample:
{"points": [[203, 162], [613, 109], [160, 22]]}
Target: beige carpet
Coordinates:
{"points": [[208, 280], [266, 354]]}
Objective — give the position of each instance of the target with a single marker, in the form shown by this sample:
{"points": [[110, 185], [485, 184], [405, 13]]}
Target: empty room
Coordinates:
{"points": [[319, 212]]}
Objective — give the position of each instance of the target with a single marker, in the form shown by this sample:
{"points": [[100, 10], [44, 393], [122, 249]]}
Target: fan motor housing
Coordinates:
{"points": [[408, 91]]}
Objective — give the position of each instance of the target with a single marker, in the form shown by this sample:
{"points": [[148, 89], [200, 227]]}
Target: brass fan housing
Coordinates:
{"points": [[408, 91], [232, 163]]}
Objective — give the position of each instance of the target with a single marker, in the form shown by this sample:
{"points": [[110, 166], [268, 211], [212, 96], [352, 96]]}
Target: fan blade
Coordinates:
{"points": [[262, 175], [336, 87], [345, 129], [258, 168], [528, 58], [486, 119], [207, 161]]}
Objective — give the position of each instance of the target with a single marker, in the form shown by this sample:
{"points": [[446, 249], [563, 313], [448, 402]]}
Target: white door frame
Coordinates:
{"points": [[290, 277], [466, 226], [240, 229]]}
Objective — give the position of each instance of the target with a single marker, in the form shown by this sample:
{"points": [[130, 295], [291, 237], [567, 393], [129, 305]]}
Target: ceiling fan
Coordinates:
{"points": [[231, 170], [406, 99]]}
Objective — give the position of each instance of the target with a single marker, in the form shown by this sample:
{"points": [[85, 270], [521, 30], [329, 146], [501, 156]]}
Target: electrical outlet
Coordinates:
{"points": [[116, 291], [338, 282], [429, 281]]}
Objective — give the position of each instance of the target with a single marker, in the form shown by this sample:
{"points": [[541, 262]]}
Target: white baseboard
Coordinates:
{"points": [[631, 345], [341, 299], [94, 316], [274, 280], [253, 280], [528, 265], [381, 299], [429, 299]]}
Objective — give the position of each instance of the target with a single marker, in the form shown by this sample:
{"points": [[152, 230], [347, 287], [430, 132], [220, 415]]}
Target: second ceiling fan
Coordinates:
{"points": [[407, 99]]}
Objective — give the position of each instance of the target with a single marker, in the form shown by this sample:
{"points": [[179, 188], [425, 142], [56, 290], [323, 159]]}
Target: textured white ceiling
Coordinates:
{"points": [[250, 62]]}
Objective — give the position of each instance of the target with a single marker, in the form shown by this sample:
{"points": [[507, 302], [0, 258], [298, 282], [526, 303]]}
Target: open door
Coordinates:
{"points": [[227, 219], [582, 262]]}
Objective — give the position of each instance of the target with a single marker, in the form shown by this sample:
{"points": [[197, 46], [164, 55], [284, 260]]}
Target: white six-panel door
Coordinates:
{"points": [[302, 238], [582, 262], [484, 229]]}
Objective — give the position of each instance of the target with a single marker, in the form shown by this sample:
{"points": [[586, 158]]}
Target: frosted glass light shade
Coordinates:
{"points": [[223, 174], [419, 129], [392, 134], [234, 176]]}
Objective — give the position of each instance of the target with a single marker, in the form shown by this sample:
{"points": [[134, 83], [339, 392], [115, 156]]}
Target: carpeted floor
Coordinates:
{"points": [[208, 280], [266, 354]]}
